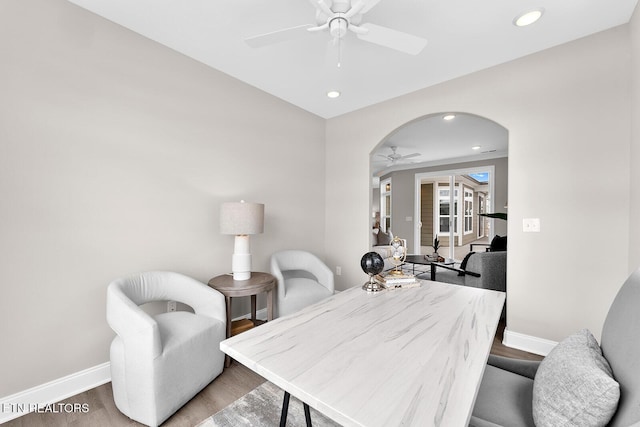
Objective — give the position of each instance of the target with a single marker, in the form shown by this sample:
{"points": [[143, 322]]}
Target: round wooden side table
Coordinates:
{"points": [[257, 283]]}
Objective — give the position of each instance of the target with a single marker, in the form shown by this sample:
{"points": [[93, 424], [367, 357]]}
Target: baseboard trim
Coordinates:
{"points": [[24, 402], [528, 343], [260, 315], [19, 404]]}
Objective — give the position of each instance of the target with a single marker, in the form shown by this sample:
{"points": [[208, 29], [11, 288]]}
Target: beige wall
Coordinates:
{"points": [[634, 218], [115, 154], [567, 113]]}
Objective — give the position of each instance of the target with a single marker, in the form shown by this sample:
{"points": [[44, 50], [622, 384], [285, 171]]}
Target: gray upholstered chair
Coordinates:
{"points": [[303, 279], [513, 391], [160, 362]]}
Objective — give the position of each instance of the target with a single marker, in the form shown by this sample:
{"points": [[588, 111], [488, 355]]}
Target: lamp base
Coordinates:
{"points": [[241, 259], [241, 275]]}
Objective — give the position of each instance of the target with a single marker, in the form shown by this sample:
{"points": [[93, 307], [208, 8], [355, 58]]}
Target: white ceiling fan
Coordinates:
{"points": [[340, 16], [394, 157]]}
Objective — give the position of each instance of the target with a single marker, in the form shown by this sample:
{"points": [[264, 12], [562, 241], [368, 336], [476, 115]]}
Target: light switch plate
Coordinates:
{"points": [[531, 225]]}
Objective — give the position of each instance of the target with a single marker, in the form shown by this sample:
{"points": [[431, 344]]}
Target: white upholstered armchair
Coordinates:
{"points": [[160, 362], [303, 279]]}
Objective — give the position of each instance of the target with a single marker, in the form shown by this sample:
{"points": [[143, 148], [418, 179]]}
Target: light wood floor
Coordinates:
{"points": [[502, 350], [232, 384]]}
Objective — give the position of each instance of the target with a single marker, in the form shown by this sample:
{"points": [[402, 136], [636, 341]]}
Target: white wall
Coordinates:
{"points": [[115, 154], [634, 218], [567, 113]]}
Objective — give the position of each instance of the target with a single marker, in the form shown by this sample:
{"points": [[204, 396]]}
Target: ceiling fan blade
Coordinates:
{"points": [[322, 7], [355, 8], [408, 156], [356, 29], [369, 4], [278, 36], [393, 39], [318, 28]]}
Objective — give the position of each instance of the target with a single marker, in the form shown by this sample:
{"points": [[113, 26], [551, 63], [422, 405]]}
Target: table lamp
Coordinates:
{"points": [[241, 219]]}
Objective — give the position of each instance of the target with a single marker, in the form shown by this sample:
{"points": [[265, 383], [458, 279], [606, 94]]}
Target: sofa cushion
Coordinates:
{"points": [[384, 238], [301, 292], [498, 244], [504, 399], [448, 276], [574, 385]]}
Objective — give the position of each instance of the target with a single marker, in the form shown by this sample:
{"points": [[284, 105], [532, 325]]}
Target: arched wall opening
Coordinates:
{"points": [[429, 150]]}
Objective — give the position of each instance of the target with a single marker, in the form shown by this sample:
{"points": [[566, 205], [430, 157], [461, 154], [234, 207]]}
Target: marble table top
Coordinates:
{"points": [[400, 357]]}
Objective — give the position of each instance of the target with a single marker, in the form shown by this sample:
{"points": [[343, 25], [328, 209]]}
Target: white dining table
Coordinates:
{"points": [[412, 357]]}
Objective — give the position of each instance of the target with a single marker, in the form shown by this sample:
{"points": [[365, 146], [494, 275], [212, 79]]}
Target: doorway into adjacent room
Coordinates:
{"points": [[461, 161], [453, 216]]}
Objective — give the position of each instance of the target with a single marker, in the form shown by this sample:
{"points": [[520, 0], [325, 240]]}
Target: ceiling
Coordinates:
{"points": [[437, 141], [463, 36]]}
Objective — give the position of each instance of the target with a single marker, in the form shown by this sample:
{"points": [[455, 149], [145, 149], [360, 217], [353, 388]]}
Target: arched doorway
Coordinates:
{"points": [[435, 145]]}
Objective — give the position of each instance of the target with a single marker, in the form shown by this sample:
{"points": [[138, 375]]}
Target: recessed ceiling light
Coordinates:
{"points": [[449, 117], [528, 17], [333, 94], [475, 147]]}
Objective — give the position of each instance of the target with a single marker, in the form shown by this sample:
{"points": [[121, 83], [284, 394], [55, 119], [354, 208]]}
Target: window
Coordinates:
{"points": [[444, 210], [468, 210], [481, 220], [385, 205]]}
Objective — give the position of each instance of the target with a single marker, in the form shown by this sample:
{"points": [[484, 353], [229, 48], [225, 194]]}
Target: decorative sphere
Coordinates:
{"points": [[372, 263]]}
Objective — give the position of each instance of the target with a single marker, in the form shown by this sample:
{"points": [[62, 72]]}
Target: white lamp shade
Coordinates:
{"points": [[241, 218]]}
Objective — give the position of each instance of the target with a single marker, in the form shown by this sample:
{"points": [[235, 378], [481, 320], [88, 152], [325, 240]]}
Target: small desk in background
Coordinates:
{"points": [[420, 259]]}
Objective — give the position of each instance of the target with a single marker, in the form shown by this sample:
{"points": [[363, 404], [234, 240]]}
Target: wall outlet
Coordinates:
{"points": [[171, 306], [338, 271], [531, 225]]}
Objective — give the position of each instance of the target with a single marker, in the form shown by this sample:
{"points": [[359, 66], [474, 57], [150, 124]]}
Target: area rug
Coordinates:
{"points": [[262, 407]]}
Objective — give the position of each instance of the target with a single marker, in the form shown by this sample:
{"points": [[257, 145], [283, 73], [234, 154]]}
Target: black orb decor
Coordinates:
{"points": [[372, 264]]}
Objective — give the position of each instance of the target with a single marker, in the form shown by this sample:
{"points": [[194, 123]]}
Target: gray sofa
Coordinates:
{"points": [[488, 270]]}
